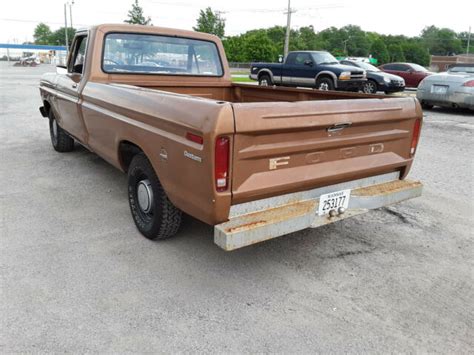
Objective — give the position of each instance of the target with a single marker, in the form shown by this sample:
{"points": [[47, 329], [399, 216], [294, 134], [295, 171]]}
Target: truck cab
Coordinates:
{"points": [[315, 69]]}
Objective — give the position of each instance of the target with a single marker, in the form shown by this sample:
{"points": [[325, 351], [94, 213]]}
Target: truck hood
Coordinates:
{"points": [[339, 68]]}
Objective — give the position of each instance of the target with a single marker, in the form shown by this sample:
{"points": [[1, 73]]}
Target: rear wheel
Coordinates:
{"points": [[60, 140], [153, 213], [426, 106], [324, 84], [369, 87], [265, 80]]}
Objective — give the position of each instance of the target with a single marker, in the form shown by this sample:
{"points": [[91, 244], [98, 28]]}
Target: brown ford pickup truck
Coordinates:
{"points": [[255, 162]]}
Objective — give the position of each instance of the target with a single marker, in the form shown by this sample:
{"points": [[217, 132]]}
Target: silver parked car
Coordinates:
{"points": [[454, 88]]}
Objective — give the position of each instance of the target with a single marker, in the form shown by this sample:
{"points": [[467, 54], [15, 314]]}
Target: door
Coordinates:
{"points": [[302, 70], [400, 70], [68, 86], [287, 69]]}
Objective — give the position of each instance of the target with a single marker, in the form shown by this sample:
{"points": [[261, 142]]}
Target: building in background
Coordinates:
{"points": [[440, 63]]}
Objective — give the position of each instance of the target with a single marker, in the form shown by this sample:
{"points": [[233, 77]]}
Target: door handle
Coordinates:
{"points": [[74, 86], [338, 127]]}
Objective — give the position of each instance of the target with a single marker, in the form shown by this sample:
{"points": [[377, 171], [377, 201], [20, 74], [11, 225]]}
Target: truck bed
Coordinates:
{"points": [[240, 93], [289, 127]]}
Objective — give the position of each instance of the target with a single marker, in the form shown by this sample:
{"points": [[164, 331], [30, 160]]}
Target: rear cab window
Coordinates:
{"points": [[132, 53]]}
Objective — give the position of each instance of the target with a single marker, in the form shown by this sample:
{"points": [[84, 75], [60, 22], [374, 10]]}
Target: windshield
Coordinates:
{"points": [[367, 66], [324, 58], [461, 69], [417, 67], [151, 54]]}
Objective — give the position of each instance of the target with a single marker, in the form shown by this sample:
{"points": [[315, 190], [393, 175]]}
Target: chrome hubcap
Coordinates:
{"points": [[263, 82], [145, 195], [323, 86], [369, 88]]}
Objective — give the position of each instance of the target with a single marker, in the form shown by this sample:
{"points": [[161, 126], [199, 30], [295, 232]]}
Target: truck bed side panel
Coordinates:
{"points": [[157, 122]]}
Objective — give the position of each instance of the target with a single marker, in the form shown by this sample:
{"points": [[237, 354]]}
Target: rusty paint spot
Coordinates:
{"points": [[246, 226], [386, 188], [273, 215]]}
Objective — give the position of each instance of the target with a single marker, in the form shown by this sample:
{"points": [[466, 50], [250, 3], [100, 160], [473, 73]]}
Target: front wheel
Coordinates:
{"points": [[426, 106], [370, 87], [265, 80], [324, 84], [153, 213], [60, 140]]}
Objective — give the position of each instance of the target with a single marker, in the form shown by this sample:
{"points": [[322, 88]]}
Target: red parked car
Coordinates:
{"points": [[412, 73]]}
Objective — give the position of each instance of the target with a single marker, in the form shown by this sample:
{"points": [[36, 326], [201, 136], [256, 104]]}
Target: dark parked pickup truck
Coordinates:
{"points": [[314, 69]]}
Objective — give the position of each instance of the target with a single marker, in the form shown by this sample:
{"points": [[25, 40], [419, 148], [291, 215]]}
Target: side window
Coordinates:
{"points": [[301, 58], [78, 55], [290, 59], [390, 67]]}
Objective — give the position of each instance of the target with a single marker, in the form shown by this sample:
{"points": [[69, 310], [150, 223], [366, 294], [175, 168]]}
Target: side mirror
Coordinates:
{"points": [[308, 63], [280, 59]]}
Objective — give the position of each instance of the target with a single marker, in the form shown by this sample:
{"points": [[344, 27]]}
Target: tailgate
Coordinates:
{"points": [[282, 147]]}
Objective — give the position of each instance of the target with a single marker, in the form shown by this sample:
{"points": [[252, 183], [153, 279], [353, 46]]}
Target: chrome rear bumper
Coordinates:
{"points": [[256, 221]]}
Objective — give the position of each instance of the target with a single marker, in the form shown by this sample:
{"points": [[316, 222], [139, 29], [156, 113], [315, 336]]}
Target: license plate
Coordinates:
{"points": [[333, 201], [439, 89]]}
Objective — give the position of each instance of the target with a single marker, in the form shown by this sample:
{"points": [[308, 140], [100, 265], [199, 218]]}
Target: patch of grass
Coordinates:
{"points": [[240, 79]]}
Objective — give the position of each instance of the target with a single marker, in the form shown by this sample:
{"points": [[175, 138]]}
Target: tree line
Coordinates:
{"points": [[267, 44]]}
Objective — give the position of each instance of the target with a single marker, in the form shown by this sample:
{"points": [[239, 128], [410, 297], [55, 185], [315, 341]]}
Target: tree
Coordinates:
{"points": [[463, 36], [441, 41], [416, 52], [58, 37], [396, 53], [379, 51], [42, 34], [210, 22], [233, 49], [259, 48], [136, 17]]}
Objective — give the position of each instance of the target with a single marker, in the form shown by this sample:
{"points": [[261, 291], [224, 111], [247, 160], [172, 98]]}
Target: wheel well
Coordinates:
{"points": [[327, 76], [262, 73], [127, 150], [47, 106]]}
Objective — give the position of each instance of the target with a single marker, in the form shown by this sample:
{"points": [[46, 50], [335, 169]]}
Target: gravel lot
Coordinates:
{"points": [[76, 276]]}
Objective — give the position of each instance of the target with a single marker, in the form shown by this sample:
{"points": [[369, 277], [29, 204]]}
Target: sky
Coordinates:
{"points": [[408, 17]]}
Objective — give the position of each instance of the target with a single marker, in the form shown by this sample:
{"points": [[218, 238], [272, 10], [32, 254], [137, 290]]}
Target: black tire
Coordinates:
{"points": [[158, 218], [426, 106], [325, 84], [370, 87], [60, 140], [265, 80]]}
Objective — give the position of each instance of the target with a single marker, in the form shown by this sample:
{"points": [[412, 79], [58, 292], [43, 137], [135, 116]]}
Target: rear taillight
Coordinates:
{"points": [[221, 169], [416, 136], [469, 83]]}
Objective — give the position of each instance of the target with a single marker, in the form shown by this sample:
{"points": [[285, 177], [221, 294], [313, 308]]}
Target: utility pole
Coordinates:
{"points": [[65, 26], [288, 28], [468, 40], [70, 13]]}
